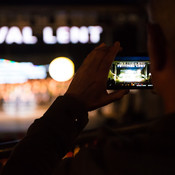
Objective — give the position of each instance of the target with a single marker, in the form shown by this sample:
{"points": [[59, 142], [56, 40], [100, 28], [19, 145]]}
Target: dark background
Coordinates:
{"points": [[132, 35], [122, 20], [71, 2]]}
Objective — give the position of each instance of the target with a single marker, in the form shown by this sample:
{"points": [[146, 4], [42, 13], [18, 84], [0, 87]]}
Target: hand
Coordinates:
{"points": [[89, 83]]}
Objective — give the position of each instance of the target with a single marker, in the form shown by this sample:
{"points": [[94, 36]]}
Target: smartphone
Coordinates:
{"points": [[130, 72]]}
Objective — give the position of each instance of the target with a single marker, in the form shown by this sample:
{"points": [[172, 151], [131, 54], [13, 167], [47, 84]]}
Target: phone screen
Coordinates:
{"points": [[131, 72]]}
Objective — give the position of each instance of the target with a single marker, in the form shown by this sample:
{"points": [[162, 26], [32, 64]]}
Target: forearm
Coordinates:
{"points": [[48, 138]]}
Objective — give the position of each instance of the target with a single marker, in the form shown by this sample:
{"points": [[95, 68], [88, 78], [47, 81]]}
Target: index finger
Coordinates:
{"points": [[109, 57], [94, 54]]}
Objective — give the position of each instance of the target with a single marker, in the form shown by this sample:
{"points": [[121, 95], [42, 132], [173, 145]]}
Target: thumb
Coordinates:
{"points": [[116, 95], [109, 98]]}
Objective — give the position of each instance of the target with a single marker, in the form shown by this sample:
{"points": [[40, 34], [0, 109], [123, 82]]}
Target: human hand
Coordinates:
{"points": [[89, 83]]}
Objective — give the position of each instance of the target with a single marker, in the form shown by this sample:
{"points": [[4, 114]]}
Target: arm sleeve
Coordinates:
{"points": [[48, 138]]}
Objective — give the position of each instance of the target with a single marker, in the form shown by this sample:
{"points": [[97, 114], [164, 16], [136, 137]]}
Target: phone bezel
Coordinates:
{"points": [[131, 85]]}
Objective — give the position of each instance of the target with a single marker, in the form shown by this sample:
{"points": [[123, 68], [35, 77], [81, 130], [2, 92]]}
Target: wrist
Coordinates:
{"points": [[76, 101]]}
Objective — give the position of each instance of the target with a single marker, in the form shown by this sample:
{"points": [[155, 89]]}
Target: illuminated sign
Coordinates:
{"points": [[15, 72], [15, 35], [64, 35]]}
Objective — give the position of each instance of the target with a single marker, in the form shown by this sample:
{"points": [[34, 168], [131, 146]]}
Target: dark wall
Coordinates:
{"points": [[120, 23], [71, 2]]}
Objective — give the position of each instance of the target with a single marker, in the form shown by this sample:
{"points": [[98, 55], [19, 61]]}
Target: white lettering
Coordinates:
{"points": [[74, 34], [14, 36], [79, 35], [95, 32], [3, 34], [63, 35], [84, 35], [48, 37], [27, 36]]}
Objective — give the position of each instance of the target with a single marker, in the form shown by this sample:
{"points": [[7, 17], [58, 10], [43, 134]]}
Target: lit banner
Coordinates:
{"points": [[15, 72], [64, 35]]}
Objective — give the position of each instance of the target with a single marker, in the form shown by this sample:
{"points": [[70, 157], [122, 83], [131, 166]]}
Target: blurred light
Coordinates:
{"points": [[27, 36], [15, 72], [61, 69], [74, 34], [95, 32], [14, 36], [3, 33], [63, 35], [84, 35], [48, 37]]}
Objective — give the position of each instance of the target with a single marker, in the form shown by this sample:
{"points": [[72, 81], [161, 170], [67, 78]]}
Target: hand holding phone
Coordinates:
{"points": [[89, 82]]}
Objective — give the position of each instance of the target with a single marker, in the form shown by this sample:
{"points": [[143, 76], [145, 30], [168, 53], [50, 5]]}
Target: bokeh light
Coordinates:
{"points": [[61, 69]]}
